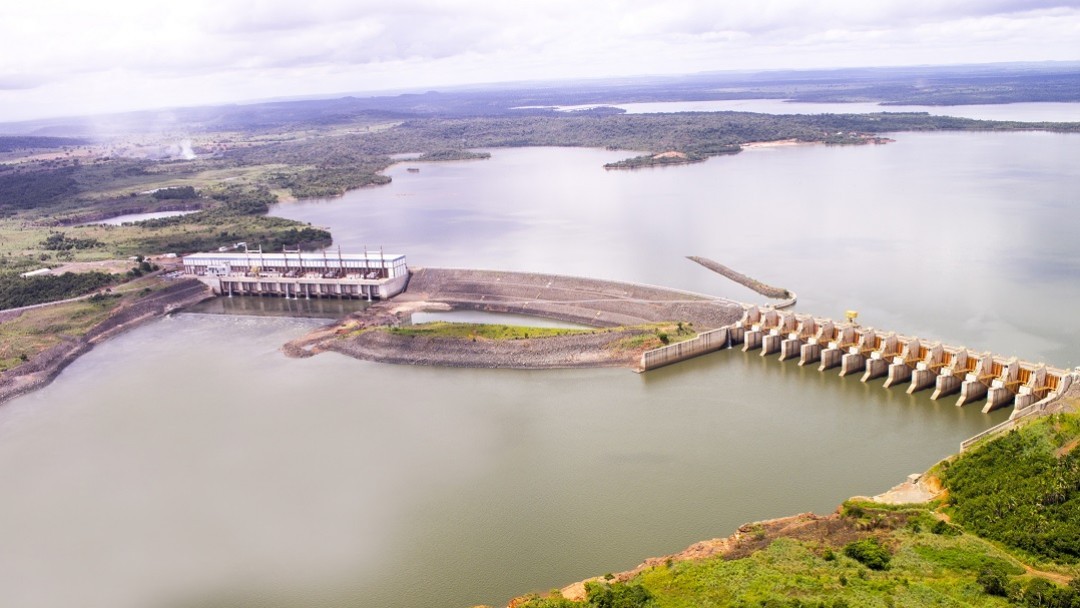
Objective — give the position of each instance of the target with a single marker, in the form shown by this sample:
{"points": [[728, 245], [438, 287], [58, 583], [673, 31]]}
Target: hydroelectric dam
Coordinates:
{"points": [[994, 380], [294, 274]]}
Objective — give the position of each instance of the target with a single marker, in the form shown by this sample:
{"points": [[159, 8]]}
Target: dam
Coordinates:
{"points": [[293, 274], [996, 381]]}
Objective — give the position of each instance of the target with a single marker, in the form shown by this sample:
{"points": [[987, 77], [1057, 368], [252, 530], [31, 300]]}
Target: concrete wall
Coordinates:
{"points": [[852, 348], [705, 342]]}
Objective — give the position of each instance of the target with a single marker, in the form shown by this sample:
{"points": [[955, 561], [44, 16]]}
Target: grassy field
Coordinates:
{"points": [[652, 335], [39, 329], [481, 331]]}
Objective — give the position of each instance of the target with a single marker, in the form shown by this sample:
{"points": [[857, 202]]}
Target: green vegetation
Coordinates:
{"points": [[58, 241], [444, 155], [25, 291], [869, 553], [803, 573], [657, 335], [1023, 489], [599, 595], [480, 331], [10, 143], [660, 160], [1018, 490], [175, 192], [617, 595], [21, 190], [36, 330]]}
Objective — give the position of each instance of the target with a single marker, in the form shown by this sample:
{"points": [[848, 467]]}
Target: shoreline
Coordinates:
{"points": [[44, 367], [618, 311]]}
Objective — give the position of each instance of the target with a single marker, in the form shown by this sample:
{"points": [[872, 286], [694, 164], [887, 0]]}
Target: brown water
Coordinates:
{"points": [[189, 463]]}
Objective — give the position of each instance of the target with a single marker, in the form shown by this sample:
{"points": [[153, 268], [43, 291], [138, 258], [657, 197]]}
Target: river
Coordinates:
{"points": [[189, 463]]}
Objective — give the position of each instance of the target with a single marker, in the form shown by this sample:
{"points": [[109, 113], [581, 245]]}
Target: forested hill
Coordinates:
{"points": [[936, 86], [692, 132], [27, 142]]}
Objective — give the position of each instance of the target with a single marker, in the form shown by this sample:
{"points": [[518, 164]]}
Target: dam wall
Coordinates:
{"points": [[988, 380], [703, 343]]}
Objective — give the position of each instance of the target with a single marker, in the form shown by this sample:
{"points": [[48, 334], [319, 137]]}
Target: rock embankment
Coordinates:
{"points": [[600, 304], [46, 365], [585, 350], [776, 293]]}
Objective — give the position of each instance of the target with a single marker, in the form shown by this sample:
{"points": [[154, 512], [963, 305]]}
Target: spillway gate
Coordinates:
{"points": [[994, 380]]}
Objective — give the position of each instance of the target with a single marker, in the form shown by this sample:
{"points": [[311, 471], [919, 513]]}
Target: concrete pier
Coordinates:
{"points": [[1024, 400], [790, 348], [830, 358], [853, 348], [875, 368], [921, 379], [971, 390], [770, 344], [898, 373], [944, 385], [851, 363], [809, 353], [997, 397], [752, 340]]}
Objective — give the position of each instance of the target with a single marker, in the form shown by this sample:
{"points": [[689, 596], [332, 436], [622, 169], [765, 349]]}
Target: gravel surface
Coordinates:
{"points": [[601, 304]]}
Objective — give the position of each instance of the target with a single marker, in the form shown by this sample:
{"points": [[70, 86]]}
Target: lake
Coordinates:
{"points": [[1027, 111], [136, 217], [189, 463]]}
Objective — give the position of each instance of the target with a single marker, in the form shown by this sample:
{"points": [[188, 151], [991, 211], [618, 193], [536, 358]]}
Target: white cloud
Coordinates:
{"points": [[118, 53]]}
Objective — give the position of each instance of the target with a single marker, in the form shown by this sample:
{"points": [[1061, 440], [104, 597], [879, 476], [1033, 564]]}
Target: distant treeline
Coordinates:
{"points": [[16, 291], [10, 143], [445, 155], [176, 192], [28, 190], [240, 215], [693, 133]]}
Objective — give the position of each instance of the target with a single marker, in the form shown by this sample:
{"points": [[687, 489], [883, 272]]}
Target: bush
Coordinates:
{"points": [[617, 595], [994, 579], [869, 552], [1018, 490], [944, 528]]}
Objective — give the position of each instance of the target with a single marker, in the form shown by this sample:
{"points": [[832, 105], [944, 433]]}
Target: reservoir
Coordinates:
{"points": [[1049, 111], [137, 217], [189, 463]]}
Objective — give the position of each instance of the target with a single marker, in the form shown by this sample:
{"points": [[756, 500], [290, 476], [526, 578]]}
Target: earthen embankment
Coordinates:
{"points": [[593, 302], [42, 368], [776, 293], [596, 303], [585, 350]]}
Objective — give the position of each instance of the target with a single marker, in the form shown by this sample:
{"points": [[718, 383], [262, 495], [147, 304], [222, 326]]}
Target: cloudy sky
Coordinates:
{"points": [[62, 57]]}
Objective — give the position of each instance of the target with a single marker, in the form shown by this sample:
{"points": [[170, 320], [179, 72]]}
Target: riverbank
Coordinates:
{"points": [[625, 316], [42, 368], [909, 522]]}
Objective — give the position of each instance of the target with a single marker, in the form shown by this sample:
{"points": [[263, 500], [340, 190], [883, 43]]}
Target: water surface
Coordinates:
{"points": [[1026, 111], [130, 218], [189, 463]]}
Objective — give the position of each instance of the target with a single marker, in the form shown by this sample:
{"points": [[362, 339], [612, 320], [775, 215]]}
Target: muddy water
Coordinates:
{"points": [[189, 463]]}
